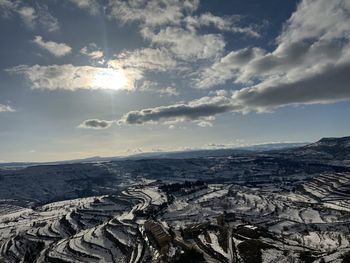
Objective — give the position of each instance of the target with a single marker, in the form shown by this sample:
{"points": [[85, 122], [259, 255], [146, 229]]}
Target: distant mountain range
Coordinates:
{"points": [[217, 152], [196, 153], [329, 148]]}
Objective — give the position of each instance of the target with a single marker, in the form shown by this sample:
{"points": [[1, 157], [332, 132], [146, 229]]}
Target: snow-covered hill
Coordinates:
{"points": [[280, 206]]}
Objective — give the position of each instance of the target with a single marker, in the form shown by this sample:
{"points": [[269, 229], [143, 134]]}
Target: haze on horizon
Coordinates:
{"points": [[81, 78]]}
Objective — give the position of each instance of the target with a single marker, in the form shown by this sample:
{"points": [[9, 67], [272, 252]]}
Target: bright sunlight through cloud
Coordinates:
{"points": [[109, 78]]}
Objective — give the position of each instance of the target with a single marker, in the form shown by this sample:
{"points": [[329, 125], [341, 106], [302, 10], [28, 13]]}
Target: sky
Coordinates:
{"points": [[82, 78]]}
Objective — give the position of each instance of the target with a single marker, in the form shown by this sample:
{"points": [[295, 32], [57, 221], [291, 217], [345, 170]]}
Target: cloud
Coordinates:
{"points": [[28, 15], [229, 23], [7, 7], [310, 63], [169, 25], [92, 51], [157, 88], [70, 77], [327, 86], [186, 44], [56, 49], [179, 39], [138, 62], [168, 91], [314, 19], [196, 110], [6, 108], [151, 12], [205, 124], [32, 16], [96, 124], [228, 67], [155, 13], [92, 6], [152, 59], [46, 19]]}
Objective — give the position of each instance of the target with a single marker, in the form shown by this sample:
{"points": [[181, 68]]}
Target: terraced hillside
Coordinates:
{"points": [[97, 229], [219, 221], [263, 207]]}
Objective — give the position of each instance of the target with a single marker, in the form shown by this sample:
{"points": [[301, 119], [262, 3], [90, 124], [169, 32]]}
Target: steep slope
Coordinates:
{"points": [[328, 148]]}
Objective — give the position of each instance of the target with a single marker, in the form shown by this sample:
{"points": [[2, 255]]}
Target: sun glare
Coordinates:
{"points": [[109, 78]]}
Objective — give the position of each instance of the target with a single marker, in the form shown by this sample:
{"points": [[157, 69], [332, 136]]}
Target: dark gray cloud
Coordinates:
{"points": [[196, 110], [329, 85], [96, 124], [299, 55]]}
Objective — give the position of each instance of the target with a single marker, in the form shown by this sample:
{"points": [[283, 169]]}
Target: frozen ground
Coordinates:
{"points": [[253, 208]]}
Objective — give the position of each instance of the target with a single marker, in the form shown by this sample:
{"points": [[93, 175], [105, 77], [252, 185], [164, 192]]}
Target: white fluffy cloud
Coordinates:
{"points": [[187, 44], [152, 86], [155, 13], [227, 67], [56, 49], [170, 24], [29, 16], [6, 108], [92, 51], [323, 20], [92, 6], [153, 59], [222, 23], [151, 12]]}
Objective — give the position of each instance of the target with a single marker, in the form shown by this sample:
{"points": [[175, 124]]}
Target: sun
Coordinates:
{"points": [[108, 78]]}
